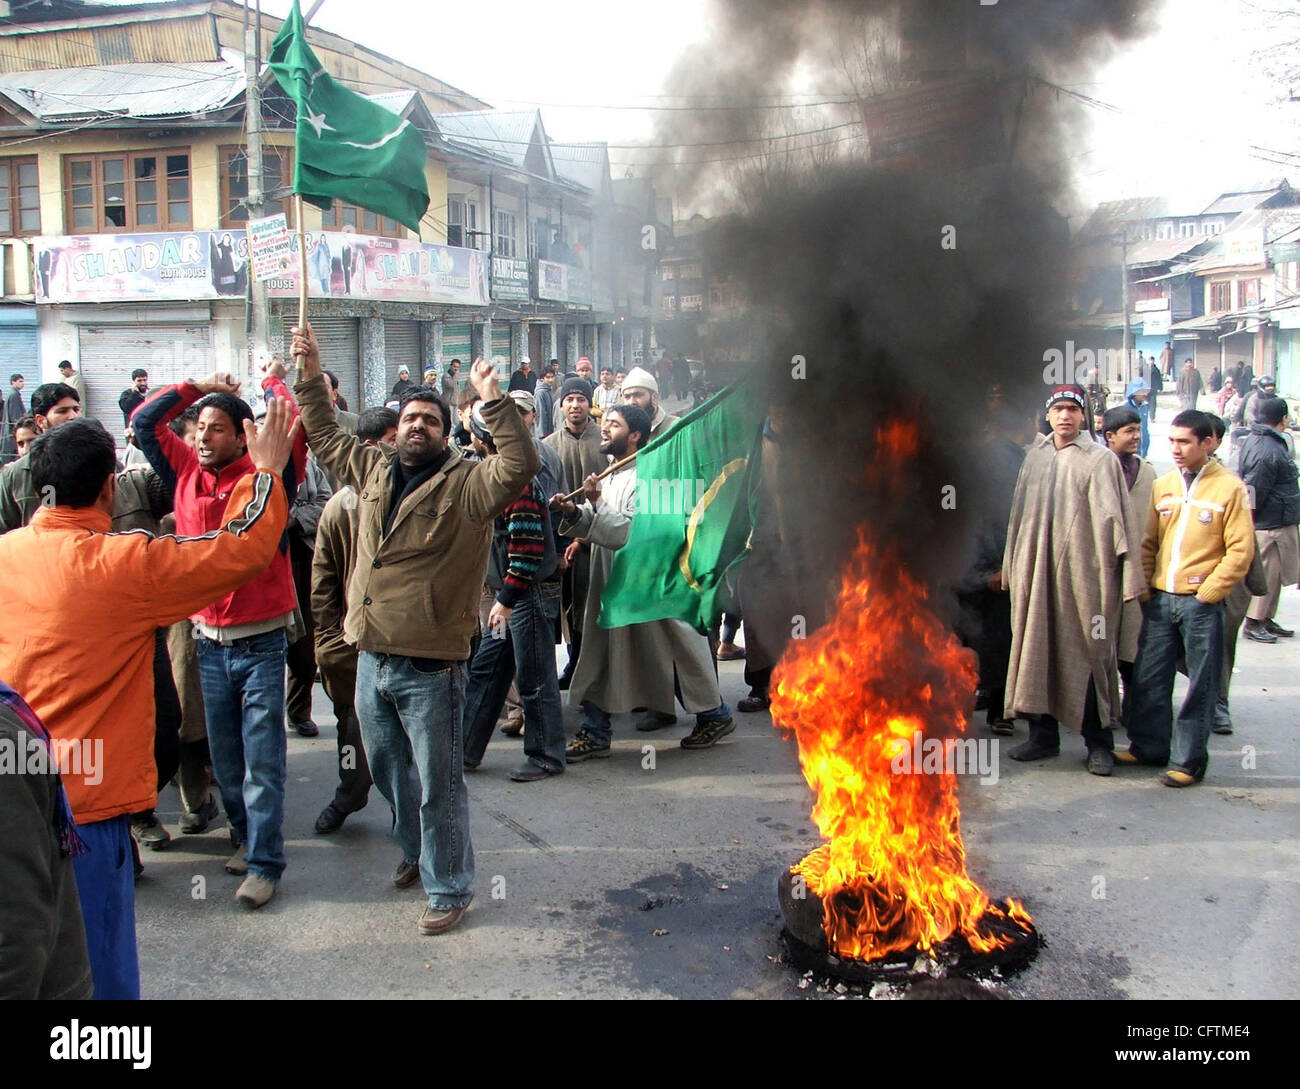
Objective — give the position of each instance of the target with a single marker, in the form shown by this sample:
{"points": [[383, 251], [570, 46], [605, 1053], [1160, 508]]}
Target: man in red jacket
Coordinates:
{"points": [[90, 602], [241, 639]]}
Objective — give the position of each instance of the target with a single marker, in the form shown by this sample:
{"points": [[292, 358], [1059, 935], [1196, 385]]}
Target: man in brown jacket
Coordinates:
{"points": [[423, 532]]}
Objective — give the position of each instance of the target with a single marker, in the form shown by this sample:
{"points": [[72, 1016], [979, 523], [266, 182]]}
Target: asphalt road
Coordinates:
{"points": [[616, 880]]}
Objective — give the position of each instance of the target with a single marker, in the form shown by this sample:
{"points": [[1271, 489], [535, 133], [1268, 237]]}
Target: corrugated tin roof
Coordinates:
{"points": [[1107, 216], [1246, 199], [127, 90], [586, 164], [396, 101], [1159, 250], [500, 134]]}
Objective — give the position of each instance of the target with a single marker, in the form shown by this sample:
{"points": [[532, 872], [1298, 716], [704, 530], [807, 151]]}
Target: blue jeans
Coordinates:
{"points": [[1173, 626], [411, 712], [596, 722], [528, 653], [106, 888], [243, 701]]}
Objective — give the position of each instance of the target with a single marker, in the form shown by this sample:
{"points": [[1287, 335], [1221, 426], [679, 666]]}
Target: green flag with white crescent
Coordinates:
{"points": [[347, 148], [696, 489]]}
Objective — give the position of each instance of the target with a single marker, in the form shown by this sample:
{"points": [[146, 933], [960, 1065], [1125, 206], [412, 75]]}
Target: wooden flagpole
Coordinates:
{"points": [[612, 469], [302, 263]]}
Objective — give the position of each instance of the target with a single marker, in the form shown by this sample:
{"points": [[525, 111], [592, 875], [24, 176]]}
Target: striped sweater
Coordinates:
{"points": [[519, 547]]}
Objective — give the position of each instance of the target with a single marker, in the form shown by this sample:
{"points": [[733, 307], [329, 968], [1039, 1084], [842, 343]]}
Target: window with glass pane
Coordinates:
{"points": [[146, 191], [29, 198], [113, 173], [235, 183], [83, 194], [505, 241], [340, 215], [133, 191], [178, 188]]}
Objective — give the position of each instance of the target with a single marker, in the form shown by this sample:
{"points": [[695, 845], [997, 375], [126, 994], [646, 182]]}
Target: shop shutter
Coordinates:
{"points": [[109, 353], [501, 350], [455, 345], [340, 352], [18, 355], [401, 349]]}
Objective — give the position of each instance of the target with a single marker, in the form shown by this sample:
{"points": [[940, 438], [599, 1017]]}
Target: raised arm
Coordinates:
{"points": [[346, 456], [494, 484], [183, 574]]}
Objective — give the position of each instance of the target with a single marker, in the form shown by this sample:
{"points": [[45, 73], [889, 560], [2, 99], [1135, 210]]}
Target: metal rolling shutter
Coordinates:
{"points": [[455, 345], [18, 355], [401, 349], [501, 350], [109, 353], [340, 352]]}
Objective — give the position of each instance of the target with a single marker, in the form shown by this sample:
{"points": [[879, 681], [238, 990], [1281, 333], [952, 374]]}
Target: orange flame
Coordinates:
{"points": [[893, 875]]}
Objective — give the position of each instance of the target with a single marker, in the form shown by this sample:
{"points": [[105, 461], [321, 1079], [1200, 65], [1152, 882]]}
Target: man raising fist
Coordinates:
{"points": [[423, 533]]}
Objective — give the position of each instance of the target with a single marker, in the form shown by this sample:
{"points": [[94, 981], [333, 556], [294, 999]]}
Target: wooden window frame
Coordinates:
{"points": [[226, 154], [1225, 287], [15, 209], [129, 185], [508, 237], [339, 212]]}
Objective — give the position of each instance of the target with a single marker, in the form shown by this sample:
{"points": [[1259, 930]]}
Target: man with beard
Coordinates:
{"points": [[423, 533], [1072, 560], [578, 444], [134, 395], [620, 669], [641, 389]]}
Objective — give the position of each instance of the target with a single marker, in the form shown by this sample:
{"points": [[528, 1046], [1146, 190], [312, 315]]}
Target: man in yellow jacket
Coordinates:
{"points": [[82, 657], [1198, 545]]}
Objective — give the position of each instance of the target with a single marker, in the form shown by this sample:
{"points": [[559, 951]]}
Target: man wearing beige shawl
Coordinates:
{"points": [[1073, 558]]}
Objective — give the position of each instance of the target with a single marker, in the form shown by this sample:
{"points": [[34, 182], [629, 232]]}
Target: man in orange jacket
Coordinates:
{"points": [[83, 655]]}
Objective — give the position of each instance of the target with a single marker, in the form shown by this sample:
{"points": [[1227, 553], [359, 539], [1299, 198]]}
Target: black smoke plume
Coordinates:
{"points": [[910, 290]]}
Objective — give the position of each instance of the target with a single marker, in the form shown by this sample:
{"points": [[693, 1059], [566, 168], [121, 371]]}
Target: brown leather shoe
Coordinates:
{"points": [[439, 922], [1174, 778], [255, 892]]}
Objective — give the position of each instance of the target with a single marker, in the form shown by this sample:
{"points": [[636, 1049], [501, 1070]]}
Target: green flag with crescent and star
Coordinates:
{"points": [[696, 490], [347, 148]]}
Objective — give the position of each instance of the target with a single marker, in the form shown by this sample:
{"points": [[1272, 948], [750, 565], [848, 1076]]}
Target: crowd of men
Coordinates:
{"points": [[427, 556], [426, 570], [1105, 574]]}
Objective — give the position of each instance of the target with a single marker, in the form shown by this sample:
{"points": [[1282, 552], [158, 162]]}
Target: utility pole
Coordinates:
{"points": [[1123, 287], [259, 334]]}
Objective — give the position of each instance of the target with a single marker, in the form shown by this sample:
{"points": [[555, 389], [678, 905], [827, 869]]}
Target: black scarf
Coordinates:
{"points": [[405, 482]]}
